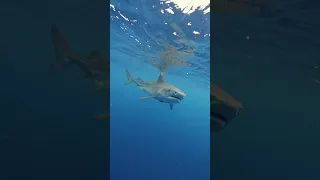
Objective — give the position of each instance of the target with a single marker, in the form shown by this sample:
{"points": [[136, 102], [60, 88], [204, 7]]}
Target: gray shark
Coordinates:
{"points": [[159, 90], [223, 108], [94, 65]]}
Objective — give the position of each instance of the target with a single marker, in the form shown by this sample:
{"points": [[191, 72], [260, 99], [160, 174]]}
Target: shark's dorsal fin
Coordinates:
{"points": [[161, 78]]}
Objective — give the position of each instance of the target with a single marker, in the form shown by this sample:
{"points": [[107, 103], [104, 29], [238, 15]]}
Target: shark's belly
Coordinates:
{"points": [[148, 91], [155, 92], [168, 100]]}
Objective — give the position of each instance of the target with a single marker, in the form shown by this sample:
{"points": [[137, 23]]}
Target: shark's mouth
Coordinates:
{"points": [[219, 116], [176, 97]]}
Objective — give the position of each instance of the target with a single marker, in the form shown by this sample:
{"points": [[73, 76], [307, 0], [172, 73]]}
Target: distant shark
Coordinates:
{"points": [[62, 48], [223, 108], [159, 90], [94, 65]]}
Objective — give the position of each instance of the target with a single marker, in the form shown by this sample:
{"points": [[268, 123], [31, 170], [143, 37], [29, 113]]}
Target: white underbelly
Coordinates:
{"points": [[169, 100]]}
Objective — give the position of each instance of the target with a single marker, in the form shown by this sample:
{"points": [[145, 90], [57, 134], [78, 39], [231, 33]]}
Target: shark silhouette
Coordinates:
{"points": [[93, 65], [223, 108]]}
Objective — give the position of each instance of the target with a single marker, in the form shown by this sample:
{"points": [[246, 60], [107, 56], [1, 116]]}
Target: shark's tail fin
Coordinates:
{"points": [[62, 48], [130, 78]]}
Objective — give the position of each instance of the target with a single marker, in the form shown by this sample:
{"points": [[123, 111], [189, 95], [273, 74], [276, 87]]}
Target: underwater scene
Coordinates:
{"points": [[54, 98], [265, 63], [159, 90], [58, 116]]}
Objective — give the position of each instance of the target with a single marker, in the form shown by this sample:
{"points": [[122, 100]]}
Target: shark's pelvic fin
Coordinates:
{"points": [[161, 78], [171, 106], [147, 97]]}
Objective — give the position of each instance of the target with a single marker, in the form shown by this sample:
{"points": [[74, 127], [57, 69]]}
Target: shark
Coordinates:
{"points": [[96, 67], [223, 108], [64, 52], [159, 90], [93, 64]]}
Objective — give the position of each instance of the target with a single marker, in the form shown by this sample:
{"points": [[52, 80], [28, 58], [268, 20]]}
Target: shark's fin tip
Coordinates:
{"points": [[161, 78]]}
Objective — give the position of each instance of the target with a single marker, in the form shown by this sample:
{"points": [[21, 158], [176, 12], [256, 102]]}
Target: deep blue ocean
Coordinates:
{"points": [[269, 61]]}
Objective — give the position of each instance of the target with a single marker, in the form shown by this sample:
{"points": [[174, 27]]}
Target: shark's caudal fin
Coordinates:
{"points": [[62, 48], [130, 78]]}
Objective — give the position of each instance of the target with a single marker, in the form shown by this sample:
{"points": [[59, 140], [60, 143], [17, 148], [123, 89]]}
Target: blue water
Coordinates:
{"points": [[46, 130], [147, 139], [274, 74]]}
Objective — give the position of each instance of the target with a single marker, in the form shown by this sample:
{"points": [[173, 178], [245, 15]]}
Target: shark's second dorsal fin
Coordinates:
{"points": [[161, 78]]}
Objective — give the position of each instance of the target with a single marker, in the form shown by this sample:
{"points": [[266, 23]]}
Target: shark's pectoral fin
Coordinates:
{"points": [[147, 97], [171, 106], [130, 78], [128, 82], [82, 65]]}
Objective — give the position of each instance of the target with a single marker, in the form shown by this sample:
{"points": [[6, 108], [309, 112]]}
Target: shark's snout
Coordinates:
{"points": [[182, 94], [178, 95]]}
